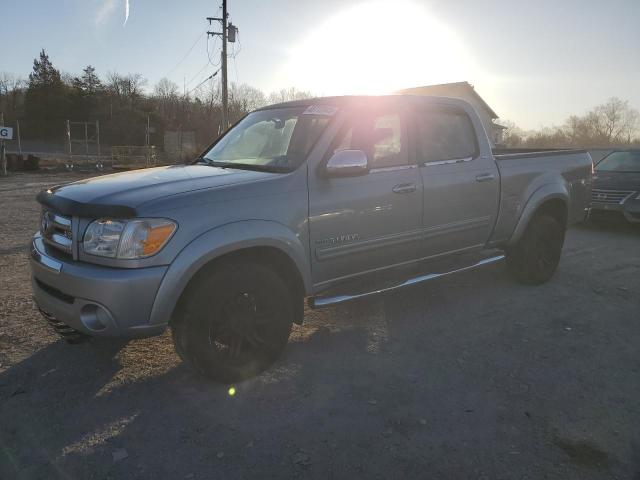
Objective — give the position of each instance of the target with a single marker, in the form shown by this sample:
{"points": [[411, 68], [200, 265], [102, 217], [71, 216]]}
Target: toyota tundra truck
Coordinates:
{"points": [[328, 200]]}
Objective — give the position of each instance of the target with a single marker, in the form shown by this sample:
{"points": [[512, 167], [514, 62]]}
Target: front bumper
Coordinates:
{"points": [[95, 300], [630, 210]]}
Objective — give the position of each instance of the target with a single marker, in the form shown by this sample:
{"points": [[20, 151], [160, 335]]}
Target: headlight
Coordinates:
{"points": [[129, 239]]}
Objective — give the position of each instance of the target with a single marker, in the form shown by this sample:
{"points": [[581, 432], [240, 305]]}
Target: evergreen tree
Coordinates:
{"points": [[46, 101], [89, 83], [87, 91]]}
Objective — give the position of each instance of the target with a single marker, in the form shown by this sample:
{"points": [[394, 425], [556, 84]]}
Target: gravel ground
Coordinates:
{"points": [[472, 376]]}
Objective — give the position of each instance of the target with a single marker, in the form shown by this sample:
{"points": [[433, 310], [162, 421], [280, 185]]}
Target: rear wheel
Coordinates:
{"points": [[534, 259], [234, 321]]}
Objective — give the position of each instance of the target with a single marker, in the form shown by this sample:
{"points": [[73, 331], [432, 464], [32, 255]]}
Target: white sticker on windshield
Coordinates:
{"points": [[320, 110]]}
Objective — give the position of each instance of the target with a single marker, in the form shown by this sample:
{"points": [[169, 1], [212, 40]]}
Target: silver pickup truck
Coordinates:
{"points": [[329, 199]]}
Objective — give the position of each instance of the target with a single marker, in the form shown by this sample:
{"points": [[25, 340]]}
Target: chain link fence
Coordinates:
{"points": [[128, 157]]}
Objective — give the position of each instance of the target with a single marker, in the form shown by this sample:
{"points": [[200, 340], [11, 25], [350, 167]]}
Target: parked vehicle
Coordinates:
{"points": [[329, 199], [616, 186]]}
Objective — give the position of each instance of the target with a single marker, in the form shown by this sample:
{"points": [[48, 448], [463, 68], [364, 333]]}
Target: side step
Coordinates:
{"points": [[318, 302]]}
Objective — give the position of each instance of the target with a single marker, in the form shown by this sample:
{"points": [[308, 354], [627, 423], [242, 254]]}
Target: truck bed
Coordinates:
{"points": [[523, 172]]}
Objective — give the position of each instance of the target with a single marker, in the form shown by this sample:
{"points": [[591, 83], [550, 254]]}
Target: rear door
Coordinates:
{"points": [[366, 222], [461, 185]]}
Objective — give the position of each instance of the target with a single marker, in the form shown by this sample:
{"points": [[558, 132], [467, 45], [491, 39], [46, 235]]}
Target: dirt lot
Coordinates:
{"points": [[473, 376]]}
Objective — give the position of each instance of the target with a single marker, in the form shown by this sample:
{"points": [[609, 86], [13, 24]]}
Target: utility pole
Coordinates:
{"points": [[19, 140], [70, 164], [228, 34], [99, 165], [3, 158], [147, 143], [225, 92]]}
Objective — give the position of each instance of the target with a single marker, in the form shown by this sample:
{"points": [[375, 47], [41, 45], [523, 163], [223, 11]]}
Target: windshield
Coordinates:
{"points": [[620, 162], [277, 139]]}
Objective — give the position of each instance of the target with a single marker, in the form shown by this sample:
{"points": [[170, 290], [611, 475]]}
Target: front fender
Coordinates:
{"points": [[217, 242], [549, 191]]}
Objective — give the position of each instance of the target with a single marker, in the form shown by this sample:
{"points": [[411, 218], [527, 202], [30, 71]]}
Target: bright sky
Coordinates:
{"points": [[534, 62]]}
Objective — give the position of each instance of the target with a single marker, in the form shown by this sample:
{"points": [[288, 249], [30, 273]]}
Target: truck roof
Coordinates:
{"points": [[349, 100]]}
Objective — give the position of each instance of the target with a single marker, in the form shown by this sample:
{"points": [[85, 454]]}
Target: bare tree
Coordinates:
{"points": [[209, 93], [512, 135], [631, 125], [165, 89], [126, 88], [10, 83], [615, 120], [12, 89], [610, 124], [165, 94], [582, 131], [288, 94], [246, 98]]}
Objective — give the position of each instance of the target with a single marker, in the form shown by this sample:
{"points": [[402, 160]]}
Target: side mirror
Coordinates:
{"points": [[347, 163]]}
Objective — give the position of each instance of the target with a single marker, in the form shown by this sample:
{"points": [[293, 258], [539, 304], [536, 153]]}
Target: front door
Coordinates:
{"points": [[362, 223]]}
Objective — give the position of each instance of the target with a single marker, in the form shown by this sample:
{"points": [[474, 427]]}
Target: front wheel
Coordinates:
{"points": [[234, 321], [534, 259]]}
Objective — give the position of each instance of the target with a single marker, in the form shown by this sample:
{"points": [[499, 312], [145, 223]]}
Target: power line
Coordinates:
{"points": [[197, 74], [209, 52], [234, 54], [202, 82], [185, 55]]}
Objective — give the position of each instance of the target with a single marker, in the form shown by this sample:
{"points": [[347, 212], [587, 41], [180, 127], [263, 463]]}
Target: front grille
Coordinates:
{"points": [[57, 231], [54, 292], [610, 197]]}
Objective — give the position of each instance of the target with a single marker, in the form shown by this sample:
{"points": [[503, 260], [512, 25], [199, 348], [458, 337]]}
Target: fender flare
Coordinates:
{"points": [[549, 191], [219, 241]]}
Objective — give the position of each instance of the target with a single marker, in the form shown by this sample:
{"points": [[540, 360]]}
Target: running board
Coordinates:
{"points": [[317, 302]]}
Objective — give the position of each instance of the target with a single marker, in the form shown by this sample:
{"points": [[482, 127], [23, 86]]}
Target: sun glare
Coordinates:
{"points": [[374, 48]]}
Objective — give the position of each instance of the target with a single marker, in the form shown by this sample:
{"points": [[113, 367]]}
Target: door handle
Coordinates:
{"points": [[404, 188], [485, 177]]}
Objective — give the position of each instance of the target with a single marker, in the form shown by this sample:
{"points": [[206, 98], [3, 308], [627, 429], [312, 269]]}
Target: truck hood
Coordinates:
{"points": [[140, 186], [125, 191], [617, 180]]}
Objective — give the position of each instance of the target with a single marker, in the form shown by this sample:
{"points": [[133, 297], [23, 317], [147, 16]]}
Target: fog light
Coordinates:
{"points": [[94, 317]]}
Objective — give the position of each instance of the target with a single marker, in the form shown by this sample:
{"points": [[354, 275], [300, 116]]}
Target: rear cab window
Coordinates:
{"points": [[444, 133]]}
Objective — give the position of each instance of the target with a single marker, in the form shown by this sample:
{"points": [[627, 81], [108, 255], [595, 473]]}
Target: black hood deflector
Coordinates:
{"points": [[69, 207]]}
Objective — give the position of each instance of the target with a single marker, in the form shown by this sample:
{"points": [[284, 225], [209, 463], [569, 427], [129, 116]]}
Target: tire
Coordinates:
{"points": [[234, 321], [535, 258]]}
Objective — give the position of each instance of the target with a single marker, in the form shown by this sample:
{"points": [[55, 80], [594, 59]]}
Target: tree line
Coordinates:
{"points": [[612, 124], [123, 103]]}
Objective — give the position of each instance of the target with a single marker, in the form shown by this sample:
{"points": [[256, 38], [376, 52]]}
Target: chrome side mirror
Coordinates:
{"points": [[347, 163]]}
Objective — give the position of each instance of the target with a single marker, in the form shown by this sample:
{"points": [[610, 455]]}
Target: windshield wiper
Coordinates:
{"points": [[244, 166], [208, 161]]}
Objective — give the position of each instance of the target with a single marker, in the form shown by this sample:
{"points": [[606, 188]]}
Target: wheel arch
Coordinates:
{"points": [[266, 242], [551, 199]]}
